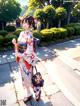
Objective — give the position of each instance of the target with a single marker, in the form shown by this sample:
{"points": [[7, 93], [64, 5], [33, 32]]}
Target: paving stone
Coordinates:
{"points": [[42, 93], [15, 104], [7, 58], [19, 89], [45, 53], [78, 72], [50, 90], [21, 103], [10, 58], [41, 68], [7, 92], [47, 80], [59, 99], [5, 74], [3, 60]]}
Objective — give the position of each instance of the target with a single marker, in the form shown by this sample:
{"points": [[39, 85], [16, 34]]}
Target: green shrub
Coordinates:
{"points": [[37, 34], [56, 33], [3, 32], [63, 33], [1, 40], [59, 33], [77, 30], [10, 28], [73, 24], [47, 35], [70, 31], [8, 38], [76, 27], [17, 32]]}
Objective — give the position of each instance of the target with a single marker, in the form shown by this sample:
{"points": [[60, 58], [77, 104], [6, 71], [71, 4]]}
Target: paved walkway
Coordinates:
{"points": [[11, 88]]}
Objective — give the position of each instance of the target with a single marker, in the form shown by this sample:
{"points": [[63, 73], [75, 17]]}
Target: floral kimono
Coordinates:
{"points": [[26, 58]]}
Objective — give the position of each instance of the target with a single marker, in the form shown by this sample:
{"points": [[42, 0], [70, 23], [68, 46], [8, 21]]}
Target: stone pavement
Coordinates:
{"points": [[65, 70], [11, 88]]}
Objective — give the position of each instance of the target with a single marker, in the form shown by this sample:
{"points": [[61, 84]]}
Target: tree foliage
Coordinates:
{"points": [[9, 10], [76, 11], [50, 14], [61, 13], [49, 11], [36, 3], [40, 14]]}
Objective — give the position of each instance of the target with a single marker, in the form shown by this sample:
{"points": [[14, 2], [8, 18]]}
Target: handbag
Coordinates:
{"points": [[37, 79]]}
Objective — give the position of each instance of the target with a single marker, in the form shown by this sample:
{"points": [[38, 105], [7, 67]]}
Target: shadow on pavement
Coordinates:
{"points": [[66, 45], [5, 74], [45, 53], [39, 103]]}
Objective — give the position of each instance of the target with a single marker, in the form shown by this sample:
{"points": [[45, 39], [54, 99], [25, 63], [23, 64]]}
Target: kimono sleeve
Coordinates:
{"points": [[20, 36]]}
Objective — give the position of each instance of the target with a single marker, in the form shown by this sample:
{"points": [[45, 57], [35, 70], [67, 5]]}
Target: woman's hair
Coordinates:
{"points": [[29, 20]]}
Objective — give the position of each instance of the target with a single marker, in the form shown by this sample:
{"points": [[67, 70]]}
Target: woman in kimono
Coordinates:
{"points": [[25, 54]]}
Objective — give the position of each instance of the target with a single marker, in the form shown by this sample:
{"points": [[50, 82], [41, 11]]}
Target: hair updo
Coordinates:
{"points": [[29, 20]]}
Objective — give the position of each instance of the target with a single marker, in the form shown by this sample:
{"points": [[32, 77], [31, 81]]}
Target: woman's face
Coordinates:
{"points": [[25, 25]]}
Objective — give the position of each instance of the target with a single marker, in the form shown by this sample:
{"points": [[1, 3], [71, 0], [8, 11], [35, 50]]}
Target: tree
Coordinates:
{"points": [[40, 14], [69, 6], [50, 14], [61, 14], [36, 3], [9, 11], [57, 3], [76, 11]]}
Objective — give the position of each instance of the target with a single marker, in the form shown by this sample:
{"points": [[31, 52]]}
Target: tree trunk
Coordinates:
{"points": [[42, 2], [59, 24], [48, 2], [2, 26], [68, 20], [47, 25]]}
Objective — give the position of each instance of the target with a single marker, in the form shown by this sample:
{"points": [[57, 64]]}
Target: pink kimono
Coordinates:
{"points": [[27, 59]]}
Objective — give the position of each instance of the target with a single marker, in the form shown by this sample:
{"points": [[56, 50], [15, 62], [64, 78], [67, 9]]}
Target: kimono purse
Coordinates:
{"points": [[37, 79]]}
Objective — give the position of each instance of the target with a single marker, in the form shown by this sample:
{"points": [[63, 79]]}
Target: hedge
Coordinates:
{"points": [[56, 33], [73, 24], [8, 38], [63, 33], [10, 28], [76, 27], [37, 34], [46, 34], [1, 40], [3, 32], [71, 31], [77, 30]]}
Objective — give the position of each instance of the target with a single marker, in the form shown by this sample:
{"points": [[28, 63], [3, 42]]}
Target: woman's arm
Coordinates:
{"points": [[15, 45]]}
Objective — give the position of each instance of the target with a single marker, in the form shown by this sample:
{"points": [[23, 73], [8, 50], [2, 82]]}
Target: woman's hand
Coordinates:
{"points": [[15, 45], [14, 41]]}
